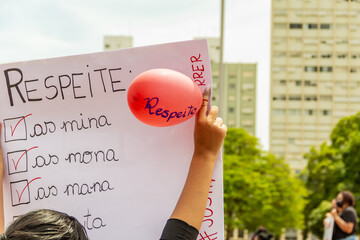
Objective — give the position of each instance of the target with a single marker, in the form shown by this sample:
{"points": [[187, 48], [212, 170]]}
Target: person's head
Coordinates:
{"points": [[345, 199], [45, 224], [262, 234]]}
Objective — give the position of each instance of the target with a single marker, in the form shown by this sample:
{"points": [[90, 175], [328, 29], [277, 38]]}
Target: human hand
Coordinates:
{"points": [[334, 213], [210, 131]]}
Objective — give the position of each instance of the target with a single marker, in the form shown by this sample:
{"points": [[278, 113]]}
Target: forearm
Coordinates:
{"points": [[192, 202], [346, 227]]}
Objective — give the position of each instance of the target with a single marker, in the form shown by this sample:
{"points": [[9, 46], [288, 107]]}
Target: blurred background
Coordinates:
{"points": [[289, 85]]}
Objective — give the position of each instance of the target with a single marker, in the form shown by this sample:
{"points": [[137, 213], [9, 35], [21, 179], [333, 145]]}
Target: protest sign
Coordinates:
{"points": [[328, 228], [70, 142]]}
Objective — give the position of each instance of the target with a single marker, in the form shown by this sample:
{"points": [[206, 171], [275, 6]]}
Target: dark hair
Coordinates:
{"points": [[263, 234], [45, 224], [348, 198]]}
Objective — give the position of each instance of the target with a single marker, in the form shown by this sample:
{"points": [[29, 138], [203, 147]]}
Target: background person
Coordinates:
{"points": [[345, 217]]}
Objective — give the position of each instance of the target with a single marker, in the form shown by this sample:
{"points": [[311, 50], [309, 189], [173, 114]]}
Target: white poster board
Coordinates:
{"points": [[328, 228], [70, 142]]}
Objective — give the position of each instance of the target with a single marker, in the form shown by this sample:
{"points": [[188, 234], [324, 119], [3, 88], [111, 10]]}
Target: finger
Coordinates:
{"points": [[219, 121], [206, 95], [214, 110], [224, 127]]}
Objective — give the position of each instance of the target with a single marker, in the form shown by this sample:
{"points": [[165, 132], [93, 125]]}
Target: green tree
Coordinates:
{"points": [[259, 188], [323, 174], [317, 216], [333, 167]]}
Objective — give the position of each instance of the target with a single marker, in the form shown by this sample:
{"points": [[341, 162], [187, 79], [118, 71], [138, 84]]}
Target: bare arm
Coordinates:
{"points": [[346, 227], [1, 190], [209, 135]]}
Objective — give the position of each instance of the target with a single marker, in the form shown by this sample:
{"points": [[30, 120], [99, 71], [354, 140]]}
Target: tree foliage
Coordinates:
{"points": [[333, 167], [259, 188], [317, 216]]}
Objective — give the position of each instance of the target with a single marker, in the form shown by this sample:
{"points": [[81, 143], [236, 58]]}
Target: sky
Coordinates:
{"points": [[36, 29]]}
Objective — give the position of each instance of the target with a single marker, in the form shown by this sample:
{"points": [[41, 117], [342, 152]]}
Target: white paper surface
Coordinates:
{"points": [[70, 142], [328, 228]]}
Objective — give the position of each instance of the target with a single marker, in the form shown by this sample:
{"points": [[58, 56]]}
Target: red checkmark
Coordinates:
{"points": [[13, 129], [25, 188], [16, 164]]}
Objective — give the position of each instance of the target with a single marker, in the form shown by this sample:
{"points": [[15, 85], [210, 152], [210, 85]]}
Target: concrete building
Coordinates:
{"points": [[117, 42], [214, 47], [315, 72], [239, 89], [239, 94]]}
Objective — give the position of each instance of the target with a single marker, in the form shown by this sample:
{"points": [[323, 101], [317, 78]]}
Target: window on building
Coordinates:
{"points": [[231, 109], [282, 82], [279, 98], [342, 55], [248, 98], [295, 55], [248, 86], [295, 112], [247, 123], [291, 140], [309, 83], [278, 69], [248, 74], [326, 112], [326, 55], [353, 70], [312, 26], [341, 26], [279, 41], [325, 69], [310, 69], [279, 111], [213, 98], [310, 98], [248, 111], [279, 54], [342, 41], [231, 97], [325, 26], [310, 55], [294, 98], [325, 98], [296, 25], [232, 86], [310, 112], [280, 12], [298, 82], [341, 69], [280, 25]]}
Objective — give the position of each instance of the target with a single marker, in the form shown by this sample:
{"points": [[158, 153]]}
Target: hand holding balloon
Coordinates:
{"points": [[163, 97]]}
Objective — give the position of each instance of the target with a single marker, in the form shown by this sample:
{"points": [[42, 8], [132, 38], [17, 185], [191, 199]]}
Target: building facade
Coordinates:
{"points": [[315, 73], [239, 94], [239, 91], [117, 42]]}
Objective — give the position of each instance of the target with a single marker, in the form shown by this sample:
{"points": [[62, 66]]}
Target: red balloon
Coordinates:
{"points": [[163, 97]]}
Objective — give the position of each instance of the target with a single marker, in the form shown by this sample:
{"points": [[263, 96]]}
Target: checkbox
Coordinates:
{"points": [[15, 128], [17, 162], [20, 193]]}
